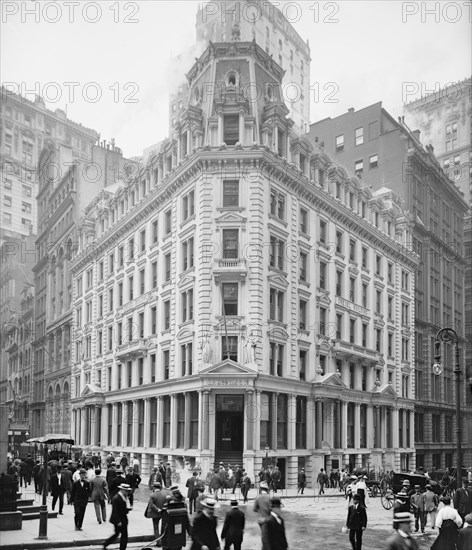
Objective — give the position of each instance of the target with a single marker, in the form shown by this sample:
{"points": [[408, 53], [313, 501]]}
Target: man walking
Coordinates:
{"points": [[79, 498], [273, 529], [262, 505], [233, 527], [192, 493], [402, 539], [119, 516], [245, 485], [168, 476], [301, 481], [58, 489], [430, 505], [204, 534], [156, 504], [99, 492], [356, 522], [321, 480], [133, 479]]}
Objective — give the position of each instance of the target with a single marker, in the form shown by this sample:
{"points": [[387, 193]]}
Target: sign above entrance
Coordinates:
{"points": [[230, 382], [233, 403]]}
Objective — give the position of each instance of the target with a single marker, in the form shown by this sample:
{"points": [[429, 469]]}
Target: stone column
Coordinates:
{"points": [[257, 426], [383, 426], [250, 417], [83, 425], [206, 420], [357, 425], [273, 443], [395, 428], [241, 127], [114, 429], [412, 433], [319, 425], [73, 425], [124, 424], [105, 422], [173, 421], [147, 422], [134, 424], [343, 425], [187, 421], [291, 422], [310, 423], [370, 423], [220, 128], [159, 422], [93, 425], [200, 419]]}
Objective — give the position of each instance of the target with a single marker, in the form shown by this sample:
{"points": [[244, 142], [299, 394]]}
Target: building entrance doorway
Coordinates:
{"points": [[229, 423]]}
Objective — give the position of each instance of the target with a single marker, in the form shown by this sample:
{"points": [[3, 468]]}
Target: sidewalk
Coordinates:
{"points": [[61, 532]]}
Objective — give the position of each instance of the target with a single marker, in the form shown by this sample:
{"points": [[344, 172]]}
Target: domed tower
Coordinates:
{"points": [[235, 97]]}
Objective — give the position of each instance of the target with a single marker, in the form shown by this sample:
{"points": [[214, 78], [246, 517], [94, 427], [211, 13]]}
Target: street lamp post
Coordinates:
{"points": [[43, 511], [448, 335]]}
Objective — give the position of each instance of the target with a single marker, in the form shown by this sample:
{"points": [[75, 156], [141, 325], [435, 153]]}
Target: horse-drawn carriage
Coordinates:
{"points": [[392, 484]]}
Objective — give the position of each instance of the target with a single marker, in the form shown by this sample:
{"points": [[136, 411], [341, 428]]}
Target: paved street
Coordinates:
{"points": [[312, 523]]}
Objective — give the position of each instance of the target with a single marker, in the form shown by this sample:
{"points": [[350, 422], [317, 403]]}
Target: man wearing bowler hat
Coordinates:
{"points": [[204, 535], [233, 528], [402, 539], [156, 504], [79, 498], [356, 522], [120, 507]]}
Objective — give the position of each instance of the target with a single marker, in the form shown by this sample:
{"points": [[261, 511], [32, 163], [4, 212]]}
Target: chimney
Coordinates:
{"points": [[350, 110], [416, 133]]}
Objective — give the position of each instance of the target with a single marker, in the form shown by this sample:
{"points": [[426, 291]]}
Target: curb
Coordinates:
{"points": [[41, 544]]}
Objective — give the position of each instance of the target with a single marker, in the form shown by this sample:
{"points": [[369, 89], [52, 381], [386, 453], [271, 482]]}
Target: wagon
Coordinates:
{"points": [[392, 484]]}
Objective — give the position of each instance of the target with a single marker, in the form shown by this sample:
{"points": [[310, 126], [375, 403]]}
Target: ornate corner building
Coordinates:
{"points": [[242, 296]]}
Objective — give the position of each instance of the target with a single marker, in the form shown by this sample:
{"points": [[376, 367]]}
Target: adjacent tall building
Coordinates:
{"points": [[66, 185], [385, 152], [244, 300]]}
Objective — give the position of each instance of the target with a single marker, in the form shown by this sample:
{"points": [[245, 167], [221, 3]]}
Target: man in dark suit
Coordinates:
{"points": [[119, 516], [79, 498], [233, 527], [58, 488], [192, 493], [356, 522], [273, 529], [401, 539], [67, 475], [156, 504], [464, 542], [118, 480], [463, 501], [204, 528]]}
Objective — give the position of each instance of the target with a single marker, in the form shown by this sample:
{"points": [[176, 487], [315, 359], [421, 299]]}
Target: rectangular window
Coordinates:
{"points": [[231, 129], [154, 320], [323, 317], [110, 300], [352, 289], [131, 288], [339, 326], [166, 364], [168, 222], [303, 221], [276, 304], [276, 253], [323, 231], [323, 268], [339, 143], [131, 249], [230, 193], [230, 298], [390, 272], [365, 253], [352, 331], [378, 265], [373, 161], [303, 314], [100, 305], [188, 205], [154, 274], [229, 348], [141, 324], [358, 167], [154, 231], [277, 205], [187, 254], [339, 242], [167, 266], [303, 266], [111, 263], [378, 301], [167, 315], [142, 281], [378, 340], [121, 256], [142, 240], [352, 250], [100, 271], [364, 335], [230, 243], [364, 295], [359, 136], [339, 283]]}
